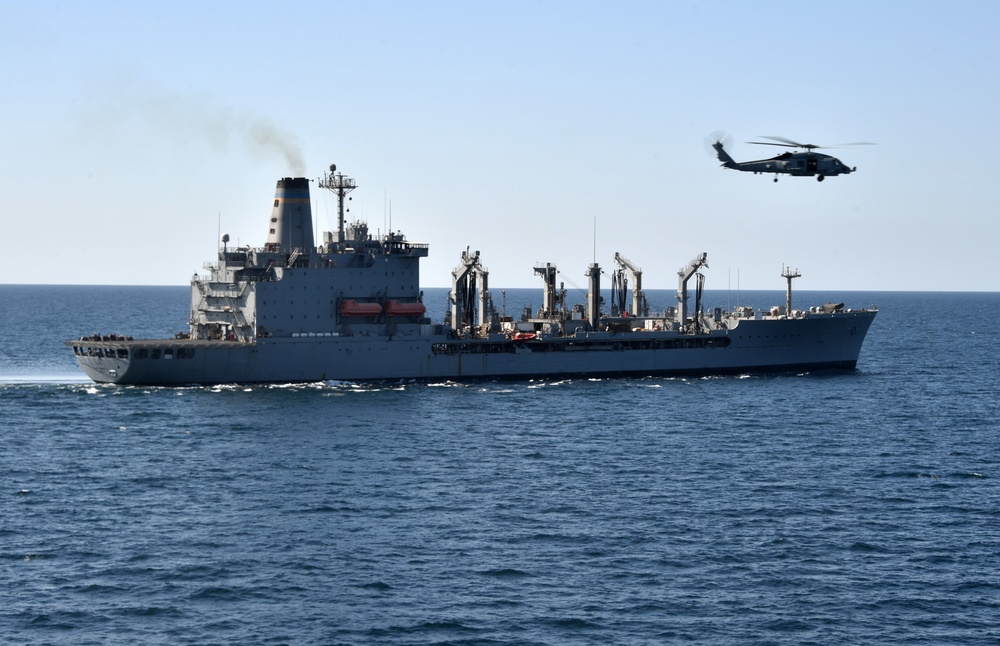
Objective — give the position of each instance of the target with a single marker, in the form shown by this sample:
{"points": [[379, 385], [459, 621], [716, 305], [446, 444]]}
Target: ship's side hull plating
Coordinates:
{"points": [[815, 342]]}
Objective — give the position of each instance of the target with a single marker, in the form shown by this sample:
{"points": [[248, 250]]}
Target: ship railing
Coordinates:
{"points": [[226, 293], [405, 247]]}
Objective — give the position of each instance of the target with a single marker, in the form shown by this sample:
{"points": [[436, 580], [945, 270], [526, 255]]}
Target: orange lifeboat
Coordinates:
{"points": [[395, 308], [523, 336], [354, 308]]}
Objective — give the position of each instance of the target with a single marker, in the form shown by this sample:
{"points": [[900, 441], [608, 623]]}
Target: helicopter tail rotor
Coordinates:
{"points": [[717, 144], [718, 137]]}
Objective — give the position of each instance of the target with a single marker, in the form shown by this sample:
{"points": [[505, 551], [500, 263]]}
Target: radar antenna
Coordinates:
{"points": [[341, 186]]}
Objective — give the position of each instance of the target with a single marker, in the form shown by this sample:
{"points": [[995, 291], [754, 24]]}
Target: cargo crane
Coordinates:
{"points": [[469, 293], [552, 300], [619, 286], [684, 274]]}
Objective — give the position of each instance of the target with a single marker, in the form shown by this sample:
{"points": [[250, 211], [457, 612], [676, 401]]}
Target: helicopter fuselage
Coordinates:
{"points": [[804, 164]]}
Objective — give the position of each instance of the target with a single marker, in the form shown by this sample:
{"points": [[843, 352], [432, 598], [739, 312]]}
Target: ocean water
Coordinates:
{"points": [[837, 508]]}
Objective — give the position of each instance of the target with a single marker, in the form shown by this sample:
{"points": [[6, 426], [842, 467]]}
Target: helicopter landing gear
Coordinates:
{"points": [[820, 178]]}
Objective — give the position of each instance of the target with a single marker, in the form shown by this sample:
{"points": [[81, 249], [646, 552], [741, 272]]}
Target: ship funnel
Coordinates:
{"points": [[291, 225]]}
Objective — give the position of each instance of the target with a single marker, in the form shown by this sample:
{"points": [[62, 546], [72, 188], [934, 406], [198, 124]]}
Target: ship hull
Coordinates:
{"points": [[814, 342]]}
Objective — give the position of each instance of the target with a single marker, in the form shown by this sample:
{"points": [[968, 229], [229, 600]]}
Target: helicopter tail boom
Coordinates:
{"points": [[724, 157]]}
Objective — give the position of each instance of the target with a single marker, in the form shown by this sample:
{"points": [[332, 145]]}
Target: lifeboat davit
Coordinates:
{"points": [[354, 308], [395, 308]]}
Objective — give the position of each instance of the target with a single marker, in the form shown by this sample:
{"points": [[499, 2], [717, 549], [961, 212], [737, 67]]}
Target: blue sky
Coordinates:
{"points": [[512, 128]]}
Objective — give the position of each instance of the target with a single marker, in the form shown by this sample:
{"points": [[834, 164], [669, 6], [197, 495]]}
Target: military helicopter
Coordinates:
{"points": [[803, 162]]}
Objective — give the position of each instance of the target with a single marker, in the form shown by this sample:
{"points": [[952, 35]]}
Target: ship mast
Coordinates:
{"points": [[340, 186], [788, 273]]}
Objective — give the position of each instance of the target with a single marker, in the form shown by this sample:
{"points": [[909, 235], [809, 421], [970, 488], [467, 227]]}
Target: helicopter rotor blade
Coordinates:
{"points": [[794, 144], [789, 142], [768, 143]]}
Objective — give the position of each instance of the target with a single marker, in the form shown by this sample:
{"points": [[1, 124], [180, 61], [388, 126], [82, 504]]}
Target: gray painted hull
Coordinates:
{"points": [[817, 341]]}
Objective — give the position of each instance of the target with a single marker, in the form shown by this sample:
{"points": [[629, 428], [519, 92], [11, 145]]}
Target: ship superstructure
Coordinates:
{"points": [[351, 308]]}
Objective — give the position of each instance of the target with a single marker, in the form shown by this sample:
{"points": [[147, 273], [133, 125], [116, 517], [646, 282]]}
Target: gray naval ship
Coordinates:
{"points": [[351, 309]]}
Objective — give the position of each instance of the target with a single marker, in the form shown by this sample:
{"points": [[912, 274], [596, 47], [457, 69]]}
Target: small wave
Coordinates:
{"points": [[150, 611], [572, 623], [865, 547], [907, 475], [218, 388], [67, 620], [333, 509], [45, 380], [506, 573], [444, 626], [548, 384], [446, 384], [215, 593]]}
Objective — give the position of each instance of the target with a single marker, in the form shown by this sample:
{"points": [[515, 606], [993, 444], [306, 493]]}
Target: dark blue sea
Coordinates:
{"points": [[833, 508]]}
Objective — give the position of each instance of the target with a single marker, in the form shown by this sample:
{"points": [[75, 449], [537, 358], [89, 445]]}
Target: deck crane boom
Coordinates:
{"points": [[684, 274], [639, 305], [469, 292]]}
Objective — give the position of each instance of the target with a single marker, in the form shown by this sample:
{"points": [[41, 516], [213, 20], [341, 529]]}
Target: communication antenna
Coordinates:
{"points": [[340, 186]]}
